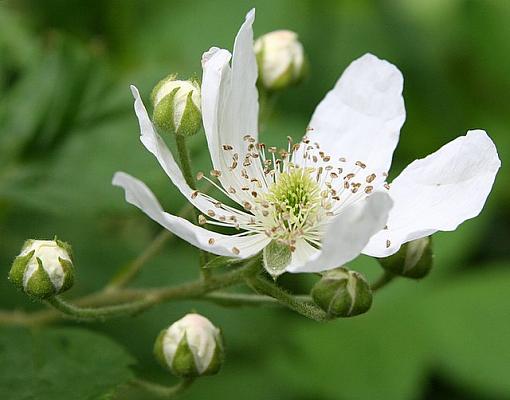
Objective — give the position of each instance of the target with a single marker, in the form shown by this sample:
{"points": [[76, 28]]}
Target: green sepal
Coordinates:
{"points": [[159, 85], [68, 268], [158, 349], [221, 261], [363, 296], [218, 358], [191, 120], [276, 257], [414, 260], [183, 363], [39, 285], [66, 246], [163, 115], [18, 268]]}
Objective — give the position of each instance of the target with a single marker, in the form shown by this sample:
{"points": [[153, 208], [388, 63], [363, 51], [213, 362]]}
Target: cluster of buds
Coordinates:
{"points": [[177, 108], [342, 293], [44, 268], [190, 347], [281, 60]]}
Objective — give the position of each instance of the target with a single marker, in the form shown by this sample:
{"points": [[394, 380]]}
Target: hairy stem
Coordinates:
{"points": [[305, 308], [225, 299], [145, 299], [187, 172], [161, 391]]}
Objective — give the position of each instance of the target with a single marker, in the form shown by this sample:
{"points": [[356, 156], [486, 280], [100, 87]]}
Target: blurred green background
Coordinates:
{"points": [[66, 125]]}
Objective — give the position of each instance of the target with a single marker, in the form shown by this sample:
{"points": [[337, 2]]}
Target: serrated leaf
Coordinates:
{"points": [[64, 363]]}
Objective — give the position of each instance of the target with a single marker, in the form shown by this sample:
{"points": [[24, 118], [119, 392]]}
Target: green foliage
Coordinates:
{"points": [[64, 363]]}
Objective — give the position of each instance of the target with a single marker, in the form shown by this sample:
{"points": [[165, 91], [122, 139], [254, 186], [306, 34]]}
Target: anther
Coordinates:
{"points": [[370, 178]]}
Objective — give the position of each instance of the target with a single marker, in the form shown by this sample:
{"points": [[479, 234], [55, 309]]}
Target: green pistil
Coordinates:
{"points": [[294, 196]]}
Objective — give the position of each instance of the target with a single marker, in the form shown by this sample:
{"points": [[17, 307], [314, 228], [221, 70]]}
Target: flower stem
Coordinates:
{"points": [[267, 101], [305, 308], [161, 391], [101, 313], [185, 161], [244, 299], [382, 281], [145, 299]]}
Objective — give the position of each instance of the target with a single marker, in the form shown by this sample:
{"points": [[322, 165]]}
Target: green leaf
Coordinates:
{"points": [[60, 364]]}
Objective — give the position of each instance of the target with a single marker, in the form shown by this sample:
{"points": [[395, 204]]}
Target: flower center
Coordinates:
{"points": [[296, 200], [295, 195]]}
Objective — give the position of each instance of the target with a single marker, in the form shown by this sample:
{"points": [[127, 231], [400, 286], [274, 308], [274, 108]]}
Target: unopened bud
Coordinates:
{"points": [[190, 347], [281, 60], [177, 106], [342, 293], [413, 260], [44, 268]]}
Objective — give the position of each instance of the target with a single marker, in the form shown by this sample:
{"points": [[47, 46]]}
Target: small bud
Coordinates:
{"points": [[190, 347], [44, 268], [276, 257], [414, 259], [342, 293], [177, 106], [281, 60]]}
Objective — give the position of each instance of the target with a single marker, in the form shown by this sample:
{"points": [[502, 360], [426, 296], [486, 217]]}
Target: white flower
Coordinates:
{"points": [[281, 59], [326, 197]]}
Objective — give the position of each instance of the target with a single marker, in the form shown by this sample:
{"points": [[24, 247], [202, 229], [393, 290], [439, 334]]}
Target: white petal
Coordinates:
{"points": [[138, 194], [360, 118], [244, 106], [439, 192], [230, 105], [348, 234], [157, 146]]}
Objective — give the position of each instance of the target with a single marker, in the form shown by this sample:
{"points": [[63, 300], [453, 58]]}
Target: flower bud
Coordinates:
{"points": [[177, 106], [44, 268], [413, 260], [190, 347], [342, 293], [281, 60]]}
